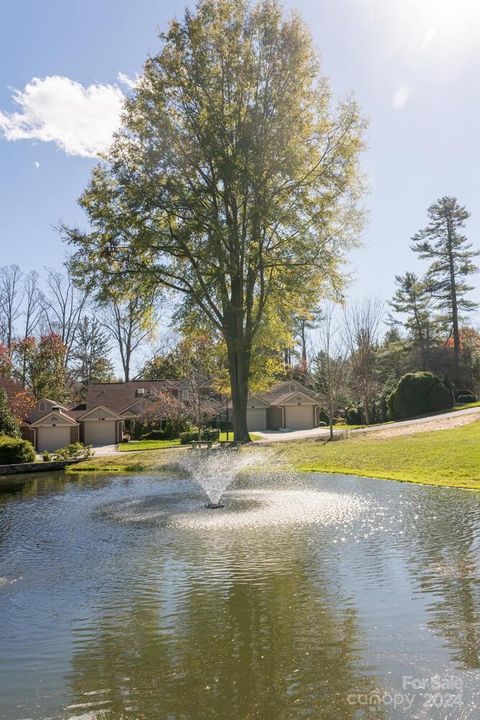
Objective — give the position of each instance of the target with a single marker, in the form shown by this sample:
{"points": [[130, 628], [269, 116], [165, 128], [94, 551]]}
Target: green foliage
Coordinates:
{"points": [[418, 394], [46, 373], [451, 256], [414, 301], [15, 450], [354, 416], [8, 422], [234, 180], [90, 354], [207, 435]]}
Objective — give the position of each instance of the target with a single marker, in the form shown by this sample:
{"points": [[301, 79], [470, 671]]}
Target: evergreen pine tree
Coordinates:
{"points": [[443, 243], [413, 300]]}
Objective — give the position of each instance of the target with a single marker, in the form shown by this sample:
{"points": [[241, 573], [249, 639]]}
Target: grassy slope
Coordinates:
{"points": [[136, 445], [444, 457], [143, 461]]}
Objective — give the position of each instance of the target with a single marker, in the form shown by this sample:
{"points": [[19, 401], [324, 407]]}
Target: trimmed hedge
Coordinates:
{"points": [[465, 396], [354, 416], [208, 435], [418, 394], [15, 450]]}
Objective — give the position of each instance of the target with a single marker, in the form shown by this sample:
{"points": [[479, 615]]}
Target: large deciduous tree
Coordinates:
{"points": [[443, 243], [130, 318], [233, 181], [362, 325]]}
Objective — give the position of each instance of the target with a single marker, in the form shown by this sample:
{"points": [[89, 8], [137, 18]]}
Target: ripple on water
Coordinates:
{"points": [[244, 509]]}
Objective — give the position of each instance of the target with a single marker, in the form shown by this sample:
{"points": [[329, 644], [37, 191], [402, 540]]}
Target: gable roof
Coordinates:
{"points": [[56, 413], [108, 411], [281, 393]]}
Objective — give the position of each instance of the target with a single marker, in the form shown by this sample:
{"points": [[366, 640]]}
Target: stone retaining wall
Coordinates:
{"points": [[21, 468]]}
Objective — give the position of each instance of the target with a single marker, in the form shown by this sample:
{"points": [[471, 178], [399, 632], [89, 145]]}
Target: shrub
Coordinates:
{"points": [[15, 450], [154, 435], [354, 416], [208, 435], [465, 396], [417, 394], [72, 452], [46, 456], [324, 417]]}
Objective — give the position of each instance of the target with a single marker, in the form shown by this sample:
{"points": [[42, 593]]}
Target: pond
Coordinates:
{"points": [[328, 597]]}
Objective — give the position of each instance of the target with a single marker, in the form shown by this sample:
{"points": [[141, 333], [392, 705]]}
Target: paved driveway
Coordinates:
{"points": [[105, 450], [442, 420]]}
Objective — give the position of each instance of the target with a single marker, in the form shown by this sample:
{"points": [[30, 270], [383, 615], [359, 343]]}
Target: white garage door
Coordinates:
{"points": [[257, 419], [100, 433], [299, 417], [52, 438]]}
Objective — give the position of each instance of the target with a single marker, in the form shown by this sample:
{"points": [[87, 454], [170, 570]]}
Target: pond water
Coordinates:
{"points": [[326, 597]]}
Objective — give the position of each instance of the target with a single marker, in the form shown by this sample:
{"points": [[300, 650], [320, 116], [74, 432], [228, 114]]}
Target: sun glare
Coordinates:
{"points": [[441, 28]]}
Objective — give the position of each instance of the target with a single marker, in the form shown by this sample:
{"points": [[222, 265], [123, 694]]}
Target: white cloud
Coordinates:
{"points": [[79, 120], [400, 97], [428, 37], [37, 164], [128, 81]]}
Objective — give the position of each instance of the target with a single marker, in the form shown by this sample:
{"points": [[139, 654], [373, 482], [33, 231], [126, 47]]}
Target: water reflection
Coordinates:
{"points": [[125, 598], [445, 566], [281, 646]]}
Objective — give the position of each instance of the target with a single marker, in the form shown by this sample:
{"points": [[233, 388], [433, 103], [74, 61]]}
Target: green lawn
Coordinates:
{"points": [[223, 436], [136, 445], [141, 445], [443, 457]]}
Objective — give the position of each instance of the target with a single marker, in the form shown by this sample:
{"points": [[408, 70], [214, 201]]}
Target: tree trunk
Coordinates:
{"points": [[453, 296], [239, 367]]}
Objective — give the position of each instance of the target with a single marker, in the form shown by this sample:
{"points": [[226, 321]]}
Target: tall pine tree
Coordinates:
{"points": [[412, 299], [443, 243]]}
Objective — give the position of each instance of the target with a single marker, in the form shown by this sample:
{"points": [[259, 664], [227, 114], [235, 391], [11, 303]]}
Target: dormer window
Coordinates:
{"points": [[41, 407], [140, 392]]}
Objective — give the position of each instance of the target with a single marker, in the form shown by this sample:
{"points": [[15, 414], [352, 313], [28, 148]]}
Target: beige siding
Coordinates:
{"points": [[100, 433], [299, 417], [256, 419], [53, 437]]}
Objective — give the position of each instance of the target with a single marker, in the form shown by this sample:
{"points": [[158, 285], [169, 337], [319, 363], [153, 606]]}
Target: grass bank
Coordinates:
{"points": [[140, 445], [128, 462], [443, 457]]}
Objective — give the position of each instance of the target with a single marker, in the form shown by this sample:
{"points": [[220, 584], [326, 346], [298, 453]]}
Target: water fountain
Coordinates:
{"points": [[214, 470]]}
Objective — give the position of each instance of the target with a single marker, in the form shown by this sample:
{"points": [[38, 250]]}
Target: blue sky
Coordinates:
{"points": [[412, 65]]}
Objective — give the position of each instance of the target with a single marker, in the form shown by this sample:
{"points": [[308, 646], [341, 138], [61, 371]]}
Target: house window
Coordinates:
{"points": [[299, 403], [185, 394], [41, 407], [101, 418], [140, 392]]}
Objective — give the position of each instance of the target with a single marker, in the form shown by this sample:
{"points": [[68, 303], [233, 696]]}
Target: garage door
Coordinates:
{"points": [[257, 419], [299, 417], [53, 438], [100, 433]]}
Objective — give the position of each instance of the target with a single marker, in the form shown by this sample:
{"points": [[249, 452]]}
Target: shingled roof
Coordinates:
{"points": [[118, 396]]}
